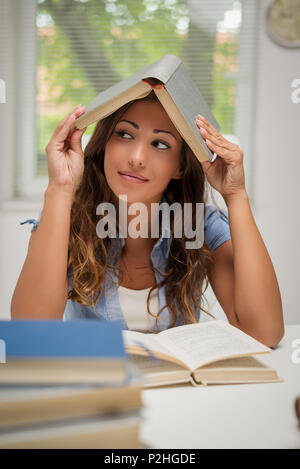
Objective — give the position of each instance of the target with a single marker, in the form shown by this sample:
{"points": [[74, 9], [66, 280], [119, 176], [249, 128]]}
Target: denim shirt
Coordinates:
{"points": [[216, 232]]}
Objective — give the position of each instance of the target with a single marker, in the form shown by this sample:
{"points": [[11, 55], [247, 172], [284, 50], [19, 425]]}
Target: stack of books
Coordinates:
{"points": [[67, 385]]}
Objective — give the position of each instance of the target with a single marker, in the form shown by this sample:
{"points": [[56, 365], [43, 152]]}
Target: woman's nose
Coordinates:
{"points": [[138, 155]]}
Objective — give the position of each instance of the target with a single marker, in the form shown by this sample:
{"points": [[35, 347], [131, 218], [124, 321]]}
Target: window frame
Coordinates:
{"points": [[27, 184]]}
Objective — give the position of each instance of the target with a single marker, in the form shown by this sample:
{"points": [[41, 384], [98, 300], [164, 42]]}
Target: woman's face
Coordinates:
{"points": [[148, 146]]}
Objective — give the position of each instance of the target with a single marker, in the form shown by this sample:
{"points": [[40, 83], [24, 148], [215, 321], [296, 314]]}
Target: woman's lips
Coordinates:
{"points": [[132, 179]]}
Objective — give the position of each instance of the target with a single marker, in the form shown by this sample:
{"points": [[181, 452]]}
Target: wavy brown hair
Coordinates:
{"points": [[186, 273]]}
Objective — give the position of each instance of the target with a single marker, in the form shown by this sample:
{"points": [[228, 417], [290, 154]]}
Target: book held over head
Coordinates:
{"points": [[177, 93]]}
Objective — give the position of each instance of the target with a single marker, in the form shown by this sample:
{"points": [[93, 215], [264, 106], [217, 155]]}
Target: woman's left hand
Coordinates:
{"points": [[226, 173]]}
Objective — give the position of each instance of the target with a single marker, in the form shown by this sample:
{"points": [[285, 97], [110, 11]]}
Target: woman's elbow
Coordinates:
{"points": [[271, 336], [267, 336], [276, 337]]}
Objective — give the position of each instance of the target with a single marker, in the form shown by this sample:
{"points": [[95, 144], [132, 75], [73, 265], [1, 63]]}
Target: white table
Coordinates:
{"points": [[228, 416]]}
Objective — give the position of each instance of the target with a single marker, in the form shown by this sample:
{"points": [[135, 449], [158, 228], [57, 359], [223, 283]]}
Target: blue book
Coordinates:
{"points": [[81, 351]]}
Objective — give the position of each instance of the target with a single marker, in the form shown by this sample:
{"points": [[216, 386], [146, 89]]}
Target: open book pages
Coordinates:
{"points": [[159, 372], [195, 345], [213, 352], [237, 370]]}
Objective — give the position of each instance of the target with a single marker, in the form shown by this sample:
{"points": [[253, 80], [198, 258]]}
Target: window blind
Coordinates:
{"points": [[85, 46]]}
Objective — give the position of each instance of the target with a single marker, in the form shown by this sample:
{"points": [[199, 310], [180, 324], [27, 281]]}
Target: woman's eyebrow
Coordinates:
{"points": [[155, 130]]}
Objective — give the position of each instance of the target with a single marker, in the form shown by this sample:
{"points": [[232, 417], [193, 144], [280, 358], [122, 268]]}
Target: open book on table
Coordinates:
{"points": [[212, 352]]}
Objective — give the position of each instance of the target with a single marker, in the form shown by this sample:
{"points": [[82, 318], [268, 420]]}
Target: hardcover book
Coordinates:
{"points": [[38, 404], [212, 352], [119, 430], [58, 352], [174, 88]]}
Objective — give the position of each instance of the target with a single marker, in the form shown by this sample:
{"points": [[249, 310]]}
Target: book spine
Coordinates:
{"points": [[164, 72], [157, 85], [197, 384]]}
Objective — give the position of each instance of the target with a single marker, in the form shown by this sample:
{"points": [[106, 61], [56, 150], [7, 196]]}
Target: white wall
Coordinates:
{"points": [[13, 248], [275, 200], [277, 164]]}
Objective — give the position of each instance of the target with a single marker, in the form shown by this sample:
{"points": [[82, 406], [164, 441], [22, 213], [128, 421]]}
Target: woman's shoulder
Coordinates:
{"points": [[216, 226]]}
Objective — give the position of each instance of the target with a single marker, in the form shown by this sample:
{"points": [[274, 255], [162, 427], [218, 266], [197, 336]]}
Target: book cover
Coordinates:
{"points": [[176, 92], [56, 352], [62, 339]]}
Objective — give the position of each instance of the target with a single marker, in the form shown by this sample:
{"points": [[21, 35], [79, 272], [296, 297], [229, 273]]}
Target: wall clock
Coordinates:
{"points": [[283, 22]]}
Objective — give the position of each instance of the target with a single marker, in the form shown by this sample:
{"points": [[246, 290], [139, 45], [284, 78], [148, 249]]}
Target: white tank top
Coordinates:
{"points": [[134, 308]]}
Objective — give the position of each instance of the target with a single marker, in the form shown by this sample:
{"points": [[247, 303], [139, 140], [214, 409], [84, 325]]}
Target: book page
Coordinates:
{"points": [[242, 363], [148, 342], [160, 372], [202, 343], [146, 365]]}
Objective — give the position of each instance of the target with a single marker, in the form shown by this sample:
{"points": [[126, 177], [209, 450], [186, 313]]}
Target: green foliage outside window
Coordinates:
{"points": [[75, 37]]}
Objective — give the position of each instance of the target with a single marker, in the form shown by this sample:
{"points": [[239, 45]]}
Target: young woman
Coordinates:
{"points": [[146, 283]]}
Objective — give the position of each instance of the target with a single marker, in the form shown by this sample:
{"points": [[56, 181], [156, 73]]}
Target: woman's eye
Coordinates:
{"points": [[166, 146], [121, 133]]}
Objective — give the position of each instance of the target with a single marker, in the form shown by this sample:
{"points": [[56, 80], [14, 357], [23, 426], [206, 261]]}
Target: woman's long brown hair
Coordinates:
{"points": [[186, 277]]}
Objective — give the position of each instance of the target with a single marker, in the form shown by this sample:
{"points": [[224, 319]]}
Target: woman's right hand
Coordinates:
{"points": [[65, 155]]}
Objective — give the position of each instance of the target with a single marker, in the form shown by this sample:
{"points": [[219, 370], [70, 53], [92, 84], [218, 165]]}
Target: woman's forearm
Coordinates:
{"points": [[257, 296], [41, 290]]}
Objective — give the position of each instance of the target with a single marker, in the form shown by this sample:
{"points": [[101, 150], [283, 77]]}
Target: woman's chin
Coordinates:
{"points": [[134, 194]]}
